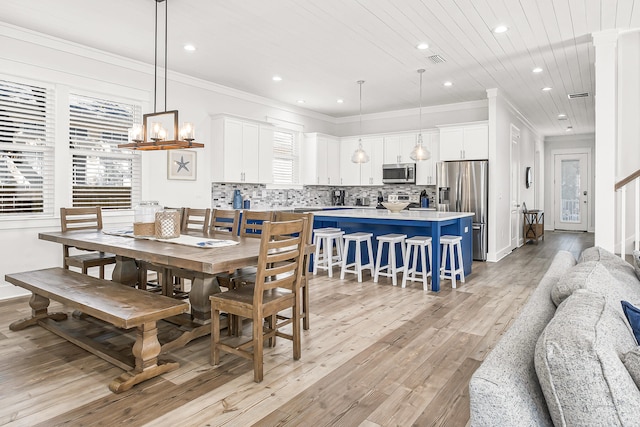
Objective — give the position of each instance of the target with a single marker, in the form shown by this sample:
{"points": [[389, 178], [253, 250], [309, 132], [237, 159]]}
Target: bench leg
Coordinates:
{"points": [[145, 351], [39, 305]]}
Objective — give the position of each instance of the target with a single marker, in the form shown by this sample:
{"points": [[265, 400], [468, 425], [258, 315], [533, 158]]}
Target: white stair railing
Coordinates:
{"points": [[621, 188]]}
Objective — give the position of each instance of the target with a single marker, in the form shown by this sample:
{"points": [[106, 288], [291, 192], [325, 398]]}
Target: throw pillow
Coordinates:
{"points": [[636, 262], [631, 361], [586, 275], [633, 316]]}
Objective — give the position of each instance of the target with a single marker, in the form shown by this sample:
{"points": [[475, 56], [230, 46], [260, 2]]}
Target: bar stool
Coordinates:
{"points": [[449, 244], [392, 269], [411, 273], [357, 238], [326, 238]]}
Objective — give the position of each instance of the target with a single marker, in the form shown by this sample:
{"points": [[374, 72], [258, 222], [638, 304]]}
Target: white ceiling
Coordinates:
{"points": [[322, 47]]}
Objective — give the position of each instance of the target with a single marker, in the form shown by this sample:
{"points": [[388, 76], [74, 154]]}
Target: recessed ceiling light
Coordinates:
{"points": [[422, 46], [276, 78], [189, 47], [546, 88], [501, 29], [447, 84], [340, 101], [562, 116], [300, 101], [537, 70]]}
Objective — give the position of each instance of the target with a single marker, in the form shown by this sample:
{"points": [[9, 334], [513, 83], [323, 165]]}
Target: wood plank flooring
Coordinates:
{"points": [[376, 355]]}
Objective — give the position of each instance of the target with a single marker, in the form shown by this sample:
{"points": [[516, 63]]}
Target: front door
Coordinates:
{"points": [[570, 195]]}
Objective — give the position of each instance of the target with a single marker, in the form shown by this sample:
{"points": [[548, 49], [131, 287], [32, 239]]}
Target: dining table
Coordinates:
{"points": [[211, 255]]}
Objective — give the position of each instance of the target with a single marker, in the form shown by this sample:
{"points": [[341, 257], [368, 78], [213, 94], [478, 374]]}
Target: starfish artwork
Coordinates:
{"points": [[182, 164]]}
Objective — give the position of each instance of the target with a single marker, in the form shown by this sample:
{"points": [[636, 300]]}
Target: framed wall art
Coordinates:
{"points": [[181, 165]]}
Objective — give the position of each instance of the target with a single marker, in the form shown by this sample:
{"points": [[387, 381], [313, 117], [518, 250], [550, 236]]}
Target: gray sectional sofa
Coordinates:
{"points": [[570, 358]]}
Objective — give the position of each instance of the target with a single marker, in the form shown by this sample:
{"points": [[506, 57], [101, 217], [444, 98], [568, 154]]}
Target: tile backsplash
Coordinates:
{"points": [[312, 195]]}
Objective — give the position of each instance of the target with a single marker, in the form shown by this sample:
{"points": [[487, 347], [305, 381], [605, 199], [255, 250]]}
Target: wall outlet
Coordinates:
{"points": [[264, 193], [254, 194]]}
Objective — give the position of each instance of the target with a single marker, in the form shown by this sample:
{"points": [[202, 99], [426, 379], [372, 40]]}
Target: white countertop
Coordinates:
{"points": [[385, 214]]}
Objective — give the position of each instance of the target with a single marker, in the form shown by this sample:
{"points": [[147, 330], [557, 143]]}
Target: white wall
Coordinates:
{"points": [[502, 114], [566, 144]]}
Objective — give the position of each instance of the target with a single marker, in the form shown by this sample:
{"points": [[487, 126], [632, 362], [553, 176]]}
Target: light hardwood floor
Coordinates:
{"points": [[376, 355]]}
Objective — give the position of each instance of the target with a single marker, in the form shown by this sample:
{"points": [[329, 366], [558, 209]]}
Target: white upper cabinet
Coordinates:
{"points": [[321, 155], [464, 142], [426, 169], [240, 150], [369, 173], [397, 148]]}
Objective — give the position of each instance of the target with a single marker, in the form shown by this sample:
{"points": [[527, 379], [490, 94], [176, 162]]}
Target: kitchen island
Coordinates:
{"points": [[411, 223]]}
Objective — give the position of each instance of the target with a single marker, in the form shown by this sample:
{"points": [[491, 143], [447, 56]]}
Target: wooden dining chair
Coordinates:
{"points": [[225, 221], [196, 220], [276, 289], [251, 222], [83, 219], [308, 250]]}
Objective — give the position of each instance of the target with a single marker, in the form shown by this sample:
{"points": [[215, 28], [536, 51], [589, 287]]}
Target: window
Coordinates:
{"points": [[102, 174], [26, 149], [285, 158]]}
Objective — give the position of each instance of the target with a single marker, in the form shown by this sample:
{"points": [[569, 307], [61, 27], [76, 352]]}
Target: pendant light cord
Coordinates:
{"points": [[155, 61], [360, 82], [166, 33], [421, 71]]}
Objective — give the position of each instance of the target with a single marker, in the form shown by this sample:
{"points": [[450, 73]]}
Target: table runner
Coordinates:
{"points": [[183, 239]]}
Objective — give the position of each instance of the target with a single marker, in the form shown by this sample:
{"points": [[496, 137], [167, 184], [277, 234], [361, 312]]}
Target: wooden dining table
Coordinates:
{"points": [[204, 262]]}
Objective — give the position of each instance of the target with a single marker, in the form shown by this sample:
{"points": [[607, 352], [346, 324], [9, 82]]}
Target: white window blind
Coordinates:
{"points": [[102, 174], [285, 158], [26, 149]]}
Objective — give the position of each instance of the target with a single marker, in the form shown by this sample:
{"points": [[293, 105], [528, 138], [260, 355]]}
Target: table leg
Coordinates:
{"points": [[125, 271], [145, 350], [201, 288]]}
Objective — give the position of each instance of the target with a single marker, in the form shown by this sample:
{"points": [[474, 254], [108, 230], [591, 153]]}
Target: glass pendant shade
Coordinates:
{"points": [[419, 151], [360, 156]]}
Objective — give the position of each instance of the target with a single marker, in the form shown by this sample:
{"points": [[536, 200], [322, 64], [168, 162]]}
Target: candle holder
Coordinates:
{"points": [[167, 224]]}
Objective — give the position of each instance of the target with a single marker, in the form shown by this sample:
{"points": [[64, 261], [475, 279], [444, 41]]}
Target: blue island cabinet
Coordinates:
{"points": [[411, 223]]}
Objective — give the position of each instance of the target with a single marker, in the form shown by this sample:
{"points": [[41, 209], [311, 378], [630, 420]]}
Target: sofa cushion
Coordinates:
{"points": [[631, 360], [579, 368], [586, 275], [632, 314], [636, 263], [619, 268]]}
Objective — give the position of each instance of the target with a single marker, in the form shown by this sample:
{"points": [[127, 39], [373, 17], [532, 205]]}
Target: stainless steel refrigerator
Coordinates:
{"points": [[463, 187]]}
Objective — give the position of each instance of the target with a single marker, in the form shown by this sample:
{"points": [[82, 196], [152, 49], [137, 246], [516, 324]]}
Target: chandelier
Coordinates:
{"points": [[419, 152], [360, 156], [160, 130]]}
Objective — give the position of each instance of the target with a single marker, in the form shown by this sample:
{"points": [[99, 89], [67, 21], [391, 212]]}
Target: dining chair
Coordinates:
{"points": [[225, 221], [196, 220], [251, 222], [83, 219], [277, 286], [308, 250]]}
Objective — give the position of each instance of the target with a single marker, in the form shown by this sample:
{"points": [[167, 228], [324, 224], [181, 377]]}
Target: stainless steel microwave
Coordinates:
{"points": [[400, 173]]}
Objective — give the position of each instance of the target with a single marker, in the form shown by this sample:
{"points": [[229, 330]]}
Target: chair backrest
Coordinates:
{"points": [[289, 216], [252, 222], [81, 218], [280, 261], [225, 221], [196, 220]]}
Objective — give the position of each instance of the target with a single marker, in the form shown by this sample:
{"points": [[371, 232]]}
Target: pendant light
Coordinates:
{"points": [[160, 130], [420, 152], [360, 156]]}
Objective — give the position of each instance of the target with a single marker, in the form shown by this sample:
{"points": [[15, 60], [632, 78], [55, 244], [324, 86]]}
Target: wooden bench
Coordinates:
{"points": [[114, 303]]}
